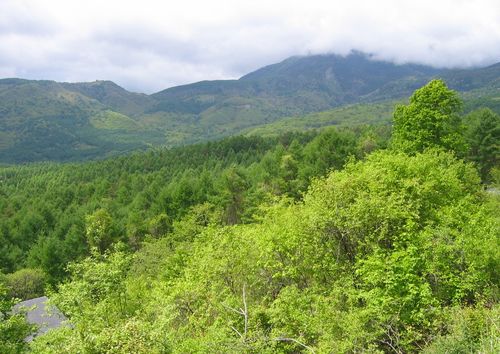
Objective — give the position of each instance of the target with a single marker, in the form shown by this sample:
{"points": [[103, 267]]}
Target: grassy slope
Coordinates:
{"points": [[366, 113], [363, 113]]}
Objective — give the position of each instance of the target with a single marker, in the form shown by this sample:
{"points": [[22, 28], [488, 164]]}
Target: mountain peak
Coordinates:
{"points": [[355, 63]]}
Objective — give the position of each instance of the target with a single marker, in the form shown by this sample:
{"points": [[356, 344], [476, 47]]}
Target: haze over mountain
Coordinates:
{"points": [[46, 120], [151, 45]]}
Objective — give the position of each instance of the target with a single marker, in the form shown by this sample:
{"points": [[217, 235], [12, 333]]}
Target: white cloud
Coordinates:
{"points": [[148, 45]]}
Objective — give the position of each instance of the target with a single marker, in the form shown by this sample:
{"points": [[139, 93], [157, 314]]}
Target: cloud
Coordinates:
{"points": [[149, 45]]}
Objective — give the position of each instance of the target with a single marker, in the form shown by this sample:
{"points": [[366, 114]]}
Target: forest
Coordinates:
{"points": [[361, 238]]}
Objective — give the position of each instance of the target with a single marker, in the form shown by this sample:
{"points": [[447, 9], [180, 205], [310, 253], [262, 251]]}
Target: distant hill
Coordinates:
{"points": [[466, 80], [113, 96], [46, 120]]}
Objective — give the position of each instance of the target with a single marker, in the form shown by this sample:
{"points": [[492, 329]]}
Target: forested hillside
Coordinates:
{"points": [[44, 120], [50, 121], [335, 240], [44, 206]]}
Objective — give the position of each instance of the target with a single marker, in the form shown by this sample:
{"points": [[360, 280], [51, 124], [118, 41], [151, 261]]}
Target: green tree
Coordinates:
{"points": [[329, 150], [235, 184], [25, 283], [99, 230], [483, 138], [430, 120], [160, 225]]}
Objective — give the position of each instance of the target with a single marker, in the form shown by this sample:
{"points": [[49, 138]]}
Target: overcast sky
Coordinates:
{"points": [[149, 45]]}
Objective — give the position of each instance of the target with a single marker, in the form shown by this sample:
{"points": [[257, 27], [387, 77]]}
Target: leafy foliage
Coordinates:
{"points": [[430, 120], [25, 284], [384, 246], [52, 214], [483, 137], [305, 242]]}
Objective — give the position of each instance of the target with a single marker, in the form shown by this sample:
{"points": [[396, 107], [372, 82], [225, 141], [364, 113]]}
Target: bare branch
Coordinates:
{"points": [[390, 345], [239, 312], [245, 311], [234, 329], [284, 339]]}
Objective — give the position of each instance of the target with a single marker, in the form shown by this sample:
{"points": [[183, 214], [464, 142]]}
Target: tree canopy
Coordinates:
{"points": [[430, 120]]}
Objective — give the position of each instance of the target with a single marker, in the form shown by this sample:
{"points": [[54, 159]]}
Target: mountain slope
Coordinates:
{"points": [[46, 120], [466, 80], [42, 120], [298, 85], [110, 94], [342, 78]]}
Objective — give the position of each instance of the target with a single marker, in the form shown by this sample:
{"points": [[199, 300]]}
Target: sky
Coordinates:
{"points": [[149, 45]]}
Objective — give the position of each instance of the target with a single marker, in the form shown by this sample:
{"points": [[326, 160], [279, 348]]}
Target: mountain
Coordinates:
{"points": [[46, 120], [111, 95], [466, 80], [295, 86]]}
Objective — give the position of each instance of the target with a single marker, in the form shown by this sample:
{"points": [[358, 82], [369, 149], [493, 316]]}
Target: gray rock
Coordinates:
{"points": [[40, 313]]}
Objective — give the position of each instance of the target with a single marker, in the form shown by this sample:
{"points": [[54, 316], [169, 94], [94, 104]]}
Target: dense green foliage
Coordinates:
{"points": [[379, 257], [25, 283], [483, 138], [430, 120], [307, 242], [51, 214]]}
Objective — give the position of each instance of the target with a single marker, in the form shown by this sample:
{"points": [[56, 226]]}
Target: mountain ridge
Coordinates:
{"points": [[48, 120]]}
